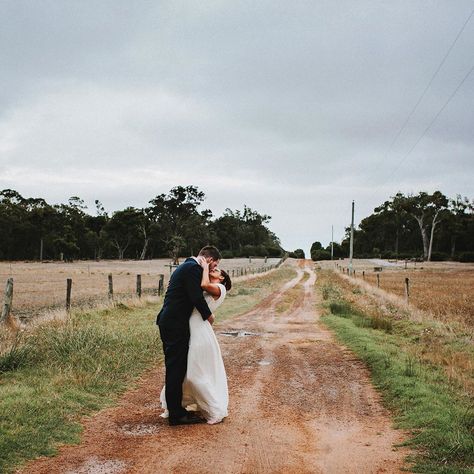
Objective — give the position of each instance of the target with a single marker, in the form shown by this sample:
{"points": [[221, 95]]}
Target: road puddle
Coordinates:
{"points": [[239, 333]]}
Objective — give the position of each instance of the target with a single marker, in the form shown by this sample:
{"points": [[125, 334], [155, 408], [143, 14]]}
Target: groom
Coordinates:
{"points": [[184, 293]]}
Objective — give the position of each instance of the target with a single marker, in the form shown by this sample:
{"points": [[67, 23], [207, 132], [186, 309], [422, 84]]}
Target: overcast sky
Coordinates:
{"points": [[288, 107]]}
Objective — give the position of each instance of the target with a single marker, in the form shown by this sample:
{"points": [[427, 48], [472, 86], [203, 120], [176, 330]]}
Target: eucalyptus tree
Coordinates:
{"points": [[428, 210], [123, 230], [457, 221], [176, 221]]}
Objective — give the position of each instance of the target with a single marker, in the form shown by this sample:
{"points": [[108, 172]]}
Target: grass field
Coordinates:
{"points": [[54, 373], [408, 364], [40, 287], [442, 290], [446, 342]]}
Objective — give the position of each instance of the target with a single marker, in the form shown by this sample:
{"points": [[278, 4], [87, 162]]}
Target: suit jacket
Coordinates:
{"points": [[184, 293]]}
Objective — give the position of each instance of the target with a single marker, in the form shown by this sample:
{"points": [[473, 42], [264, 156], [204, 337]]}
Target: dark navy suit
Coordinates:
{"points": [[184, 293]]}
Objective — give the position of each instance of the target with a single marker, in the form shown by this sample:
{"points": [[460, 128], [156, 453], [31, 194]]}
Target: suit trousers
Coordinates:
{"points": [[175, 348]]}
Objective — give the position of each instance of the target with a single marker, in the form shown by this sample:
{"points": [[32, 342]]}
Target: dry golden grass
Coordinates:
{"points": [[41, 287], [442, 290], [445, 341], [446, 294]]}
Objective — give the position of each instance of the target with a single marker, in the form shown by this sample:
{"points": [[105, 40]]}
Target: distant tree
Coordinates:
{"points": [[123, 229], [176, 220], [173, 224], [298, 253], [428, 210], [318, 253], [245, 233], [457, 219]]}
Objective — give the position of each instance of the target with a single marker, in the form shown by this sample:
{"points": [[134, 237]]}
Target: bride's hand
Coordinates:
{"points": [[202, 261]]}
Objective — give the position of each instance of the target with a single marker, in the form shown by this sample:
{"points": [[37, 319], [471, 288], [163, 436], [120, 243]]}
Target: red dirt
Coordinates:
{"points": [[299, 403]]}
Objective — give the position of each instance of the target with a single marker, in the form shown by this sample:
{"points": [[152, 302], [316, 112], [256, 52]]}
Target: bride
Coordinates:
{"points": [[205, 385]]}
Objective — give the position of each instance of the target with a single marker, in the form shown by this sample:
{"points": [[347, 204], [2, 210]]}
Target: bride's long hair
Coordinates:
{"points": [[226, 281]]}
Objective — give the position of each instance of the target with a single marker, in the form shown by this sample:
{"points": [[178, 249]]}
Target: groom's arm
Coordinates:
{"points": [[192, 283]]}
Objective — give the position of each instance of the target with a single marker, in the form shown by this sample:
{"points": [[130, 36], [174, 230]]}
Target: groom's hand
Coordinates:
{"points": [[211, 319]]}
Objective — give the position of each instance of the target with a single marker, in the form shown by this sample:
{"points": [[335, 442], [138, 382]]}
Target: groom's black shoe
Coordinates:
{"points": [[188, 419]]}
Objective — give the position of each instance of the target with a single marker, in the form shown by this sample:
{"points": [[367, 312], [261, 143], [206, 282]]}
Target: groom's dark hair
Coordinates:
{"points": [[210, 251]]}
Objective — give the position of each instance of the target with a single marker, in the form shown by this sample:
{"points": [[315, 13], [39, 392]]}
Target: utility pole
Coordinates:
{"points": [[351, 251], [41, 249], [332, 242]]}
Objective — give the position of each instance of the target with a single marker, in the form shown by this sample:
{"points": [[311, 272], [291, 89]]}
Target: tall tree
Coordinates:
{"points": [[123, 228], [427, 210], [176, 218]]}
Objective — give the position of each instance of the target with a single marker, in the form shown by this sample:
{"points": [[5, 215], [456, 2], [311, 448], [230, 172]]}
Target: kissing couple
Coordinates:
{"points": [[195, 377]]}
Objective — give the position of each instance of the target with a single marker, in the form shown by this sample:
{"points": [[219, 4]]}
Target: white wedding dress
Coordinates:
{"points": [[205, 385]]}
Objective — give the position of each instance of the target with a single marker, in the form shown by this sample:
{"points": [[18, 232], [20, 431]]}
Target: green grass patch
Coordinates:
{"points": [[53, 375], [439, 418], [61, 371]]}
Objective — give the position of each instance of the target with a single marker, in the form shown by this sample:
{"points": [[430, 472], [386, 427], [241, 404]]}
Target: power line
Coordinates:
{"points": [[440, 111], [430, 82]]}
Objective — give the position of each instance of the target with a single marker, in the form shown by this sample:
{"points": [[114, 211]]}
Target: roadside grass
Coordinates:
{"points": [[60, 371], [292, 297], [53, 374], [438, 415], [447, 344]]}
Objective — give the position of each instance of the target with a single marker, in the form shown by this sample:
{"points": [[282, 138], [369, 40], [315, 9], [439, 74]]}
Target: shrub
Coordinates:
{"points": [[390, 254], [274, 252], [439, 256], [14, 358], [298, 253], [248, 250], [320, 255], [340, 308], [467, 257]]}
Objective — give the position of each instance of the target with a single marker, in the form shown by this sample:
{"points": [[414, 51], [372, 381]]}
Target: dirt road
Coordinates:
{"points": [[299, 403]]}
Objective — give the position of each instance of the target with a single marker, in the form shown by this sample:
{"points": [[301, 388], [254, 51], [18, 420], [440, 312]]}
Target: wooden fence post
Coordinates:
{"points": [[7, 305], [68, 294], [161, 284], [111, 287], [407, 290], [363, 274], [378, 280], [139, 286], [232, 273]]}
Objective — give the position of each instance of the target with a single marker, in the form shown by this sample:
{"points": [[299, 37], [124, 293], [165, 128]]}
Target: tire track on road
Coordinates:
{"points": [[299, 403]]}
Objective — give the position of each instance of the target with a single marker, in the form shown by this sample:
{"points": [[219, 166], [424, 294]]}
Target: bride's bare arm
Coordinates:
{"points": [[211, 288]]}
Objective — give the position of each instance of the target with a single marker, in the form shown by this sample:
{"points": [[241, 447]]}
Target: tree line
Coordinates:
{"points": [[424, 226], [172, 225]]}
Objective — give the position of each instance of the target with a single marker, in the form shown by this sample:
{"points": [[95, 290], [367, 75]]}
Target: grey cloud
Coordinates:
{"points": [[291, 105]]}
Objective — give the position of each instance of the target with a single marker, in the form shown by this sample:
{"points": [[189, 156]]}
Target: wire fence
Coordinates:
{"points": [[444, 291], [33, 288]]}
